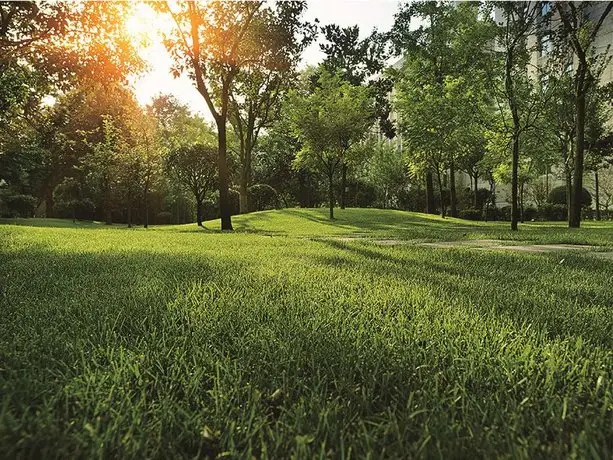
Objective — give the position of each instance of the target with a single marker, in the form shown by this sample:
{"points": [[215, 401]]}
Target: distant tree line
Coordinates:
{"points": [[464, 97]]}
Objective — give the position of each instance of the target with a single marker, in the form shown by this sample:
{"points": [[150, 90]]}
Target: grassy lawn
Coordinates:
{"points": [[282, 340]]}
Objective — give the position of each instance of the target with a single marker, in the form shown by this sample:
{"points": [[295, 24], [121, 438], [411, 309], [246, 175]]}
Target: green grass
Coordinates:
{"points": [[282, 340]]}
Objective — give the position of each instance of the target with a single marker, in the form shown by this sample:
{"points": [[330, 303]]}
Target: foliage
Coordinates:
{"points": [[387, 172], [17, 205], [554, 212], [330, 122], [558, 196], [471, 214], [263, 197], [361, 62], [195, 167], [278, 37]]}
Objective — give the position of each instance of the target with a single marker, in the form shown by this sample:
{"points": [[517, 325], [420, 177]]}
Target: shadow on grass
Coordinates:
{"points": [[134, 354], [527, 289]]}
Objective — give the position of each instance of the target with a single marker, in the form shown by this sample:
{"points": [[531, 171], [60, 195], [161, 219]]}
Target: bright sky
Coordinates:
{"points": [[367, 14]]}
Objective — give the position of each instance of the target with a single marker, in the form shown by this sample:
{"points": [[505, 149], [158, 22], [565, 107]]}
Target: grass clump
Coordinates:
{"points": [[178, 343]]}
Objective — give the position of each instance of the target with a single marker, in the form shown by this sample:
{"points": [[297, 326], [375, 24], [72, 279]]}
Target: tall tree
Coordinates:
{"points": [[330, 122], [519, 98], [279, 37], [442, 55], [209, 42], [581, 31], [361, 62]]}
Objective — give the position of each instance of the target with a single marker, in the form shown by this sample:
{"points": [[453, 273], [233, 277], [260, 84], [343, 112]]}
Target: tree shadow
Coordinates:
{"points": [[116, 345], [498, 283]]}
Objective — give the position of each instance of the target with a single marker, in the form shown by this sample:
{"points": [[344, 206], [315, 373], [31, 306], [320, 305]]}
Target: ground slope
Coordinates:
{"points": [[293, 337]]}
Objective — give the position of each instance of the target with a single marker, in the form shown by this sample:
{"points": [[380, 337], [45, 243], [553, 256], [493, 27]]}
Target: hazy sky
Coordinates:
{"points": [[367, 14]]}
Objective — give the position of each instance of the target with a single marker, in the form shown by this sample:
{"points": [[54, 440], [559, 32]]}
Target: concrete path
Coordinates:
{"points": [[487, 245]]}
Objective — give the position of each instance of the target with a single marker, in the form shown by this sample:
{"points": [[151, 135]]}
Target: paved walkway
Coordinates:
{"points": [[491, 245]]}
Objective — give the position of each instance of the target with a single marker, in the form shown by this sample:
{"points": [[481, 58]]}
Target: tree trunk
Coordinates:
{"points": [[440, 189], [199, 211], [243, 198], [129, 213], [108, 212], [575, 206], [49, 204], [430, 208], [452, 192], [597, 195], [476, 195], [224, 195], [331, 193], [569, 192], [146, 206], [514, 182], [521, 202], [343, 184]]}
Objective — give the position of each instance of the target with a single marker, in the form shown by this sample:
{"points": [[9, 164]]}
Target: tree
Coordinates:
{"points": [[102, 164], [195, 168], [279, 37], [48, 49], [444, 53], [141, 165], [580, 32], [387, 172], [210, 41], [520, 99], [361, 62], [330, 122], [599, 136]]}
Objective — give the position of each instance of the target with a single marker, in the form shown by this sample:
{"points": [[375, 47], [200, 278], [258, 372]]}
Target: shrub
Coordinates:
{"points": [[558, 196], [234, 197], [413, 199], [211, 209], [492, 213], [262, 197], [75, 209], [18, 205], [530, 213], [555, 212], [504, 213], [471, 214], [466, 198], [163, 218]]}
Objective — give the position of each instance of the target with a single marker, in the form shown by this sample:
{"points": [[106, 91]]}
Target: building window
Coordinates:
{"points": [[546, 44]]}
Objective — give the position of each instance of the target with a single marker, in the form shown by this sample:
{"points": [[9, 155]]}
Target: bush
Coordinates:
{"points": [[466, 198], [163, 218], [558, 196], [555, 212], [471, 214], [262, 197], [17, 205], [365, 195], [75, 209], [413, 199], [492, 213], [530, 213], [234, 197], [210, 209], [504, 213]]}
